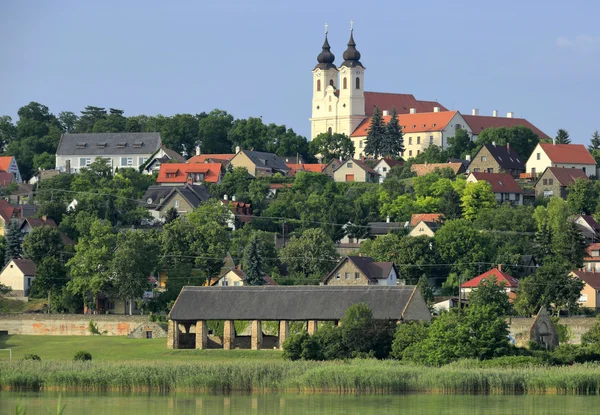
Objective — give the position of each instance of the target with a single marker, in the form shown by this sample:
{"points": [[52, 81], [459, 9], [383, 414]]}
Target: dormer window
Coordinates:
{"points": [[122, 144], [149, 200], [101, 145], [138, 144], [81, 145]]}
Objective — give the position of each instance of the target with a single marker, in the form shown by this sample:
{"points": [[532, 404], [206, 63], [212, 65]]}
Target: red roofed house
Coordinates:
{"points": [[509, 282], [9, 164], [570, 156], [504, 186], [7, 214], [554, 181], [477, 123], [195, 173], [311, 168], [212, 158], [415, 218], [591, 262], [355, 171], [590, 293], [362, 270]]}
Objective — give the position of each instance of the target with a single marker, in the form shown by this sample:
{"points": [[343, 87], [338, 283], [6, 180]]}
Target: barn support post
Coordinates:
{"points": [[312, 326], [173, 335], [201, 334], [256, 341], [284, 332], [228, 335]]}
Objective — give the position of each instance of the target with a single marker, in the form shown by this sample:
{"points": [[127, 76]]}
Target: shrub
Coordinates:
{"points": [[592, 336], [32, 357], [82, 355], [292, 347], [564, 332], [406, 335], [567, 354]]}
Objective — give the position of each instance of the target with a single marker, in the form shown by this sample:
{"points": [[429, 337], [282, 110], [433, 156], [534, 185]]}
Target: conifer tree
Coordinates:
{"points": [[13, 242], [171, 215], [253, 263], [376, 135], [595, 142], [562, 137], [393, 141]]}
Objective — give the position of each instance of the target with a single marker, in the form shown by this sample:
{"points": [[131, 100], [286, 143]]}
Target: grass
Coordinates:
{"points": [[116, 348]]}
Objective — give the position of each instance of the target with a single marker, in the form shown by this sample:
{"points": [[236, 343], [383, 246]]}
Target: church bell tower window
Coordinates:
{"points": [[318, 85], [345, 83], [357, 82]]}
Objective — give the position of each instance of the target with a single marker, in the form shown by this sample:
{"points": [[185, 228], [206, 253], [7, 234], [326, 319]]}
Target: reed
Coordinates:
{"points": [[356, 376]]}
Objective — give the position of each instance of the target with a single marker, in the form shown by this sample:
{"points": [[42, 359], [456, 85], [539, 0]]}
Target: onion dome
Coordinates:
{"points": [[325, 58], [351, 55]]}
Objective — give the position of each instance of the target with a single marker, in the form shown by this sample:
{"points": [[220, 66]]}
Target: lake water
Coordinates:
{"points": [[328, 404]]}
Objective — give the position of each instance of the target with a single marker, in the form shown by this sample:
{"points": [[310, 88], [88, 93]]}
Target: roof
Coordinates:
{"points": [[203, 158], [314, 168], [501, 277], [297, 303], [568, 153], [5, 162], [589, 219], [382, 228], [372, 270], [280, 185], [360, 164], [193, 194], [501, 182], [38, 222], [6, 178], [411, 123], [402, 102], [99, 144], [590, 278], [590, 248], [6, 210], [478, 123], [390, 162], [26, 266], [266, 160], [180, 172], [564, 175], [415, 218], [505, 156], [423, 169], [173, 155]]}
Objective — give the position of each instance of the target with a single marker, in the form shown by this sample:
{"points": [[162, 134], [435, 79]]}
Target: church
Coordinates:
{"points": [[340, 104]]}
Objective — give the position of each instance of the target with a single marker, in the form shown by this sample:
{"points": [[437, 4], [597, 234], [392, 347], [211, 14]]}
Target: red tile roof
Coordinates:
{"points": [[426, 217], [7, 211], [423, 169], [412, 123], [178, 172], [478, 123], [314, 168], [590, 278], [501, 277], [6, 178], [501, 182], [203, 158], [566, 176], [280, 185], [5, 162], [568, 153], [402, 102]]}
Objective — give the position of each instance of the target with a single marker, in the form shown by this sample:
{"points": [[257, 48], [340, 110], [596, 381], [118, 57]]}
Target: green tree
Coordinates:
{"points": [[312, 254], [235, 183], [491, 294], [42, 242], [253, 267], [450, 204], [332, 146], [460, 145], [171, 214], [462, 246], [67, 120], [50, 278], [392, 143], [562, 137], [522, 139], [426, 289], [213, 132], [592, 336], [407, 334], [13, 239], [583, 196], [8, 131], [477, 198], [594, 147], [375, 135]]}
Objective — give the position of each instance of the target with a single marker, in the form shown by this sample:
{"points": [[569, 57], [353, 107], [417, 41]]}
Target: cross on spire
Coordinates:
{"points": [[351, 25], [326, 28]]}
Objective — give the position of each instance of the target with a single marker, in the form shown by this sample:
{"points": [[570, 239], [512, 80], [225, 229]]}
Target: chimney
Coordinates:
{"points": [[508, 147], [237, 149], [436, 109], [233, 198], [386, 113], [387, 219], [475, 111], [510, 114], [468, 157], [495, 113], [44, 218], [500, 267], [494, 143], [197, 150], [413, 110], [68, 166], [225, 197]]}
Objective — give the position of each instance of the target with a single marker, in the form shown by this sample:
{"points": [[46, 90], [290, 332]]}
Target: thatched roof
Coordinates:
{"points": [[297, 303]]}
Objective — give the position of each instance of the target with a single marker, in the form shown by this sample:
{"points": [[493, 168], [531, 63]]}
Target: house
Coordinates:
{"points": [[477, 123], [259, 164], [161, 156], [362, 270], [275, 187], [509, 282], [174, 174], [420, 130], [236, 277], [384, 166], [569, 156], [240, 212], [554, 181], [18, 275], [591, 262], [423, 169], [504, 186], [446, 303], [590, 293], [311, 168], [331, 167], [9, 164], [19, 195], [355, 171], [372, 230], [465, 162], [415, 218], [41, 175], [224, 159], [30, 223], [186, 198], [383, 228], [588, 226], [120, 150], [424, 228], [8, 213], [497, 159]]}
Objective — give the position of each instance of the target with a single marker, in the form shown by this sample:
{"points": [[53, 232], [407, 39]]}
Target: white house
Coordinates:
{"points": [[18, 275], [384, 166], [504, 186], [570, 156]]}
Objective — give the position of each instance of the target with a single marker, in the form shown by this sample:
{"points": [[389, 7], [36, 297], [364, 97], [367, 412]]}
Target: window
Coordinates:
{"points": [[141, 161], [349, 165], [483, 158], [490, 170], [538, 156], [176, 204], [357, 275], [357, 82], [84, 162], [337, 275], [550, 182], [476, 170], [330, 108], [236, 283], [345, 83], [430, 139], [318, 85], [418, 152], [409, 153], [329, 131], [533, 171], [583, 298], [583, 168], [410, 141], [545, 182], [360, 144], [148, 334], [331, 82], [125, 161], [548, 193], [384, 169], [347, 275], [418, 140]]}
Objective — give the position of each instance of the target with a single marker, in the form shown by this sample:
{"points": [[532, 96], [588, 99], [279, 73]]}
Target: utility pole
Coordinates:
{"points": [[283, 232]]}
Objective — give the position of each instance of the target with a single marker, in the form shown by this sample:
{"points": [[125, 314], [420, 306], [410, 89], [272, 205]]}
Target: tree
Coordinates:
{"points": [[213, 132], [594, 147], [67, 120], [450, 204], [50, 278], [462, 246], [13, 242], [312, 254], [42, 242], [375, 135], [522, 139], [393, 142], [562, 137], [477, 198], [460, 145], [134, 259], [491, 294], [8, 131], [406, 335], [253, 267], [426, 289], [332, 146], [171, 214], [583, 196]]}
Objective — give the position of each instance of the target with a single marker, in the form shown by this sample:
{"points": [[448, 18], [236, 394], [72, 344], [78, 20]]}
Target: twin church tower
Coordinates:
{"points": [[338, 104]]}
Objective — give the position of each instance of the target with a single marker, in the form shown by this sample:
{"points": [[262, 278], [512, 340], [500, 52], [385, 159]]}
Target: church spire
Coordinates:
{"points": [[352, 55], [326, 57]]}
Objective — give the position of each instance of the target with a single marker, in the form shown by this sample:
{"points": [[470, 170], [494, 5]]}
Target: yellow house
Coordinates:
{"points": [[362, 270], [590, 293], [259, 164], [355, 171], [18, 275], [237, 278]]}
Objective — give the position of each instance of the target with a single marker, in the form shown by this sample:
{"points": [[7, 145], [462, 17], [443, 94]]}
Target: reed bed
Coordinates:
{"points": [[357, 376]]}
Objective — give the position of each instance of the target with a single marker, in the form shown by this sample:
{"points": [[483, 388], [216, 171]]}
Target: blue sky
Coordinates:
{"points": [[539, 59]]}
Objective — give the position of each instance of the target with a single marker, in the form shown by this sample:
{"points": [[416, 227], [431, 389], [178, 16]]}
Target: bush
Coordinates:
{"points": [[408, 334], [292, 347], [82, 356], [592, 336], [564, 332], [568, 354], [32, 357]]}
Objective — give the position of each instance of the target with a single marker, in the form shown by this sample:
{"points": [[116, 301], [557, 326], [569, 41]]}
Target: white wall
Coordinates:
{"points": [[115, 161], [544, 162]]}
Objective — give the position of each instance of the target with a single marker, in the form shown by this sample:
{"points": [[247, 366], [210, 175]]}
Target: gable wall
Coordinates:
{"points": [[351, 269]]}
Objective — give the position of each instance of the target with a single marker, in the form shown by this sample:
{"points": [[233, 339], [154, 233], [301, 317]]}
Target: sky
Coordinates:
{"points": [[538, 59]]}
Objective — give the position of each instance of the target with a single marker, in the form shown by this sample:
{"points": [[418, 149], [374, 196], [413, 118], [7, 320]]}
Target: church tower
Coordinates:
{"points": [[325, 93], [352, 94]]}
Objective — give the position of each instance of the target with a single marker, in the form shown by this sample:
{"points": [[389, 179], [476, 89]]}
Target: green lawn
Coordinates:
{"points": [[105, 348]]}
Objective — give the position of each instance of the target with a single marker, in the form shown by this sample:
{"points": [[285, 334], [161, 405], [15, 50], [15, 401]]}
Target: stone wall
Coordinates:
{"points": [[519, 328], [75, 324]]}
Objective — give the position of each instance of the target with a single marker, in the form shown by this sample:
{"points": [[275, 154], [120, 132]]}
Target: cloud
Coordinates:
{"points": [[579, 42]]}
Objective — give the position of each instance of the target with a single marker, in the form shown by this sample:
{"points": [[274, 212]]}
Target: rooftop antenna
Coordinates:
{"points": [[326, 28], [351, 25]]}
